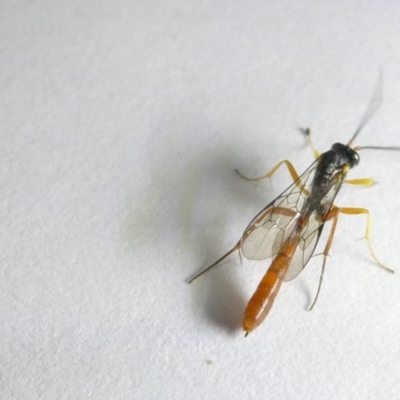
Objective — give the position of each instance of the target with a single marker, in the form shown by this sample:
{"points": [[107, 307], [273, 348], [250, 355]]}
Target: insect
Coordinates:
{"points": [[288, 228]]}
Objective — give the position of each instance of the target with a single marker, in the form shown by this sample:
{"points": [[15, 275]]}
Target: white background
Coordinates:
{"points": [[121, 125]]}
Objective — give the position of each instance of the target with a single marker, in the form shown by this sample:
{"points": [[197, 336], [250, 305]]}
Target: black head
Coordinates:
{"points": [[345, 155]]}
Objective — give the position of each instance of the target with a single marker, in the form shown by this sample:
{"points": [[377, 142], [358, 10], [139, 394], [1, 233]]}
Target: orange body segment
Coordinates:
{"points": [[262, 300]]}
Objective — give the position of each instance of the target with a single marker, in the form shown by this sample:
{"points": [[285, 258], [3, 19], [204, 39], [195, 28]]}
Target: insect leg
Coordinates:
{"points": [[289, 165], [307, 133], [355, 211], [367, 182], [292, 172], [333, 214], [216, 262]]}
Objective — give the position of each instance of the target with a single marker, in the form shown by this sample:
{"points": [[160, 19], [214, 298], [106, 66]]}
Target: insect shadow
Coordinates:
{"points": [[222, 297], [171, 205]]}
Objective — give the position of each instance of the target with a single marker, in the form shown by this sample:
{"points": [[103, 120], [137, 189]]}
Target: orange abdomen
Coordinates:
{"points": [[262, 300]]}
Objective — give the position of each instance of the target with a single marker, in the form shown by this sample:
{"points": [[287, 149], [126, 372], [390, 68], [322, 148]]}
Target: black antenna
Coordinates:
{"points": [[374, 104], [376, 148]]}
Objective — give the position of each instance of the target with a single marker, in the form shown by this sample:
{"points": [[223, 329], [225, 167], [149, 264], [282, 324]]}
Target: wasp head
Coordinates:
{"points": [[345, 155]]}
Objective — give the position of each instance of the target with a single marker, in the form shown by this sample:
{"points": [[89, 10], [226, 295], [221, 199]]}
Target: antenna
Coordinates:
{"points": [[376, 148], [374, 104]]}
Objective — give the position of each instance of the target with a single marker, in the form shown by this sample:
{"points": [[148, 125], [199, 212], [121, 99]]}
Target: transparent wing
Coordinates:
{"points": [[311, 233], [309, 239], [265, 235]]}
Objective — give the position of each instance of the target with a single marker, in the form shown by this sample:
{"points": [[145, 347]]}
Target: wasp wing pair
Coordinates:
{"points": [[270, 229]]}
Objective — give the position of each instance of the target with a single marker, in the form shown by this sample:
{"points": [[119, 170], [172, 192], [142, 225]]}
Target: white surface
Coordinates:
{"points": [[121, 125]]}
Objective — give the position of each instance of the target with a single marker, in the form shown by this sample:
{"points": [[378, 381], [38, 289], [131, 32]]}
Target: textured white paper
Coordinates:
{"points": [[121, 125]]}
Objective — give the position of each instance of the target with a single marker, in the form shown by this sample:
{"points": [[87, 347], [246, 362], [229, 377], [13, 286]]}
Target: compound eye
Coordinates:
{"points": [[356, 159]]}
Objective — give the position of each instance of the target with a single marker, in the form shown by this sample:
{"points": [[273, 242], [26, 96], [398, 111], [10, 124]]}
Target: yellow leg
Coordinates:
{"points": [[334, 215], [307, 134], [355, 211], [288, 164], [367, 182], [290, 168], [292, 171]]}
